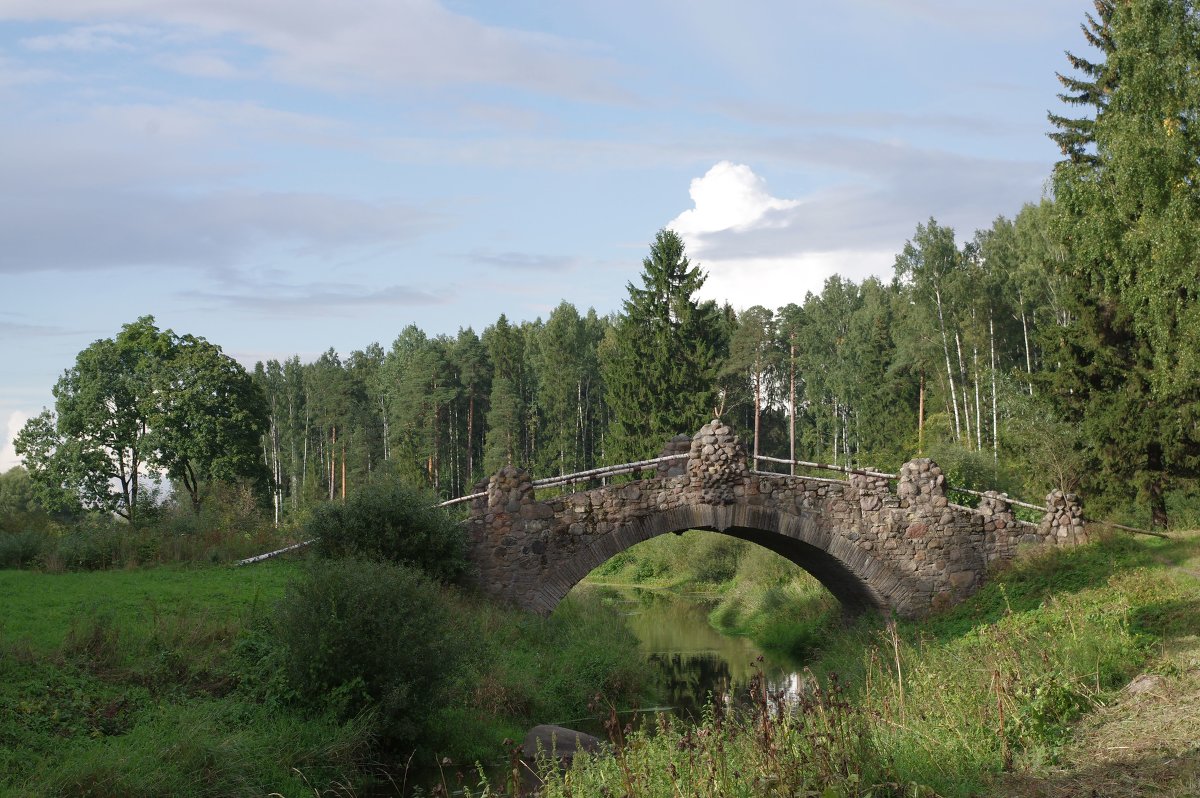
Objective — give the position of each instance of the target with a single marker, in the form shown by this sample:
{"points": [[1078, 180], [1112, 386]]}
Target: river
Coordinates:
{"points": [[693, 660]]}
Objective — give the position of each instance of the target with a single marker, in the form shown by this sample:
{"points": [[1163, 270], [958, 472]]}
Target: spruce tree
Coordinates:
{"points": [[1089, 88], [1130, 353], [660, 372]]}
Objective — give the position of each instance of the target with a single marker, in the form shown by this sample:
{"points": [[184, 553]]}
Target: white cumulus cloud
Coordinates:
{"points": [[774, 260], [728, 196], [8, 456]]}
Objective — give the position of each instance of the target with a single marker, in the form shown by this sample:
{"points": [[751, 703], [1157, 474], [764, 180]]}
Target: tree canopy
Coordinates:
{"points": [[145, 403], [667, 348]]}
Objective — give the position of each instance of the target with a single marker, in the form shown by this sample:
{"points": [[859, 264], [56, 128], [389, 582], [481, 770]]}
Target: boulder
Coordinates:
{"points": [[558, 741]]}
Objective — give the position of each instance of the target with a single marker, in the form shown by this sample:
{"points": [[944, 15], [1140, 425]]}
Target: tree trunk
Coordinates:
{"points": [[937, 293], [1025, 332], [836, 425], [978, 413], [962, 373], [995, 414], [792, 406], [757, 414], [920, 416], [304, 467], [470, 438], [333, 464], [1156, 487]]}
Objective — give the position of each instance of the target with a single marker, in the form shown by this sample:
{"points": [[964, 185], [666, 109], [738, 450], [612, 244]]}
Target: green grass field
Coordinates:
{"points": [[149, 682], [123, 683]]}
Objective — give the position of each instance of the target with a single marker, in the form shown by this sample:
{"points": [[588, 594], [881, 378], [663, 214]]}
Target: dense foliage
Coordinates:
{"points": [[147, 401], [365, 637], [387, 521]]}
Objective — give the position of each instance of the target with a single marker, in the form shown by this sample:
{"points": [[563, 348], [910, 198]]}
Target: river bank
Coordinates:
{"points": [[1072, 671]]}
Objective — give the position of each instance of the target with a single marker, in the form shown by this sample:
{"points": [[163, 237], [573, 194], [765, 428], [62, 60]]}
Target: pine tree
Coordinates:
{"points": [[661, 371], [1130, 352]]}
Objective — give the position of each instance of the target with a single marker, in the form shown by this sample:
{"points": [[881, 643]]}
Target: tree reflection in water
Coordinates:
{"points": [[694, 660]]}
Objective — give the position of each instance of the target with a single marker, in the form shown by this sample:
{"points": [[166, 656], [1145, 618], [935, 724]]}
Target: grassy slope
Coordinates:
{"points": [[1019, 691], [127, 683], [1145, 739]]}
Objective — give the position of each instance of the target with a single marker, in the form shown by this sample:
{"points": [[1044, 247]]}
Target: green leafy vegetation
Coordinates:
{"points": [[390, 522], [286, 677], [982, 700]]}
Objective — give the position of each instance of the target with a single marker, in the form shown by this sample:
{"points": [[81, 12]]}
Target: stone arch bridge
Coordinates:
{"points": [[910, 551]]}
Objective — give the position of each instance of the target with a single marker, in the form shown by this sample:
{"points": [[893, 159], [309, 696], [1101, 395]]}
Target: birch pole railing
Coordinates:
{"points": [[822, 466], [629, 468], [580, 476], [547, 482]]}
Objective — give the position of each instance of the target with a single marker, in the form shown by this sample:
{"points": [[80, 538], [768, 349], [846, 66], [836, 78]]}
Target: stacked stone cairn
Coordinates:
{"points": [[922, 485], [1000, 526], [717, 465], [1063, 523]]}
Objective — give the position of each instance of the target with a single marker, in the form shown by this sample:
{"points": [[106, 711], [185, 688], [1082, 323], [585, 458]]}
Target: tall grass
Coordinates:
{"points": [[944, 707]]}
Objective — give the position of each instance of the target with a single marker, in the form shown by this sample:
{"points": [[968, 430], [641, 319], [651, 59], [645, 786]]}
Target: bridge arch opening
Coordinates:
{"points": [[859, 581]]}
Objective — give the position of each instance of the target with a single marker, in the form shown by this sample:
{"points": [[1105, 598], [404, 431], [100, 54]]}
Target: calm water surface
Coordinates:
{"points": [[694, 660]]}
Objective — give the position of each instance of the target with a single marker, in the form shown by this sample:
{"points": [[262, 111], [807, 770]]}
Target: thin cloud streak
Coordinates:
{"points": [[319, 299], [376, 43]]}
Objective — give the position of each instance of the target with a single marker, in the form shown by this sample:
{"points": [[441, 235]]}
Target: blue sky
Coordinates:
{"points": [[285, 176]]}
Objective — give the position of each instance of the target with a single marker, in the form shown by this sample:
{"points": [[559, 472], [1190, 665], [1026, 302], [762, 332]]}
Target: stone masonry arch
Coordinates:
{"points": [[910, 551], [858, 580]]}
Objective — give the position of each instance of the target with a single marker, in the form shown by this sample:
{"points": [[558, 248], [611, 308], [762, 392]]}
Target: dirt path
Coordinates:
{"points": [[1144, 744]]}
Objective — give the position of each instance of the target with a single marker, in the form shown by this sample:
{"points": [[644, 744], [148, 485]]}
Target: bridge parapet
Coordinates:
{"points": [[910, 551]]}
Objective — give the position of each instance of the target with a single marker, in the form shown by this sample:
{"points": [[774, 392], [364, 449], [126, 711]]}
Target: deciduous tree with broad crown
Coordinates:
{"points": [[145, 402]]}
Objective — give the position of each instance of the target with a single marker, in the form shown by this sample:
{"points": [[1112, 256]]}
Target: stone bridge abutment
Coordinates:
{"points": [[910, 550]]}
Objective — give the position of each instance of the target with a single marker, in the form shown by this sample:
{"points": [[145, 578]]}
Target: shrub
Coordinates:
{"points": [[391, 522], [356, 636], [21, 549], [715, 558]]}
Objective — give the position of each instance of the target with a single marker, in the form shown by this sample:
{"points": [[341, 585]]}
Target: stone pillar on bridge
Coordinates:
{"points": [[717, 465], [1000, 527], [680, 444], [873, 493], [1062, 525], [922, 485], [949, 539]]}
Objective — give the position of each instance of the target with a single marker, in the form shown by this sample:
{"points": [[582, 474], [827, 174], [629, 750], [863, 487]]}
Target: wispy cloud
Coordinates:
{"points": [[90, 39], [524, 261], [17, 329], [213, 230], [318, 299], [375, 43]]}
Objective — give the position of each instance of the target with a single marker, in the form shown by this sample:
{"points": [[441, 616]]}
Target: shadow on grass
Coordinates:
{"points": [[1158, 775], [1172, 618]]}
